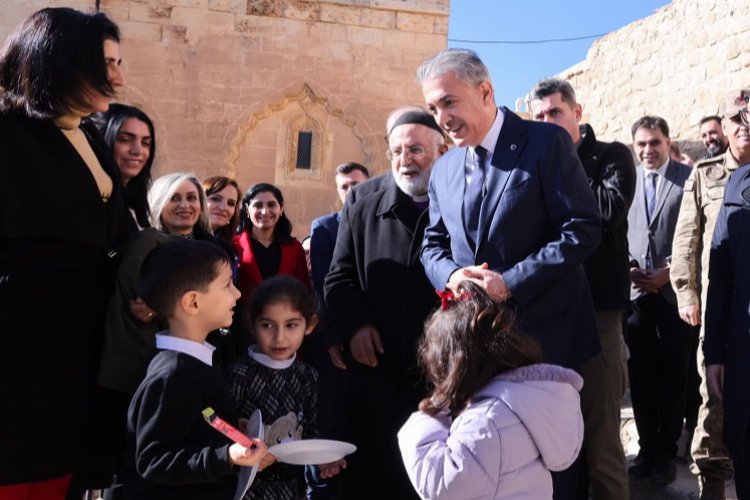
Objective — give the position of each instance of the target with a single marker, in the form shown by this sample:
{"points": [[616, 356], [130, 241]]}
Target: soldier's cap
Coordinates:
{"points": [[736, 102]]}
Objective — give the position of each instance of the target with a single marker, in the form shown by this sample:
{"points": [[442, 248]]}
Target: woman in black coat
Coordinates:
{"points": [[60, 210]]}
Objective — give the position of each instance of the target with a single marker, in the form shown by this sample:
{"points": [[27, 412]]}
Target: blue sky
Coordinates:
{"points": [[516, 67]]}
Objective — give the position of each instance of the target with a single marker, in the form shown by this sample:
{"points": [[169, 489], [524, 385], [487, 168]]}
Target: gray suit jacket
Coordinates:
{"points": [[653, 241]]}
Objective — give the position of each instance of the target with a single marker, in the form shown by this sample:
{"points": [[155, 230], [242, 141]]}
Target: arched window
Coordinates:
{"points": [[304, 148]]}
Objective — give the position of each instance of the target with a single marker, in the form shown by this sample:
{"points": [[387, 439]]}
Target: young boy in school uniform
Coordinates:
{"points": [[173, 451]]}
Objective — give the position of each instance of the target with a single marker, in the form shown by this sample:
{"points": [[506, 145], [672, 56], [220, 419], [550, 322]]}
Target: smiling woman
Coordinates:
{"points": [[223, 196], [129, 134], [58, 67], [178, 209], [264, 244]]}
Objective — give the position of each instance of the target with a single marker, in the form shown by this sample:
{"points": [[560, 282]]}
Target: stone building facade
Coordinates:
{"points": [[678, 63], [276, 91]]}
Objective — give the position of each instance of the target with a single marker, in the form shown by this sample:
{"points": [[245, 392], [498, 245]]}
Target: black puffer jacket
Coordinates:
{"points": [[610, 170]]}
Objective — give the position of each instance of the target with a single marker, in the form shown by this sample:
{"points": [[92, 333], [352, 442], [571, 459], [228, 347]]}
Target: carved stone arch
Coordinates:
{"points": [[305, 97], [264, 149]]}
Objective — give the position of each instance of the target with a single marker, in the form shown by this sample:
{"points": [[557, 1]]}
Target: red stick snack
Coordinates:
{"points": [[226, 428]]}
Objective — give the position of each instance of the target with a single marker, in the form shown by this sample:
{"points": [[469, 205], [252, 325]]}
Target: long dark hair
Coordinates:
{"points": [[136, 190], [467, 344], [283, 229], [214, 185], [52, 61]]}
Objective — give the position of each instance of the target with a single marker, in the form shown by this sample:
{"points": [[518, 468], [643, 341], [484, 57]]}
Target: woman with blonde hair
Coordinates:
{"points": [[177, 206], [178, 209]]}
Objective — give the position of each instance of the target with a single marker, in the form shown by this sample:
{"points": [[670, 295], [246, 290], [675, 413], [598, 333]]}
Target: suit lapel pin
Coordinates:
{"points": [[512, 147]]}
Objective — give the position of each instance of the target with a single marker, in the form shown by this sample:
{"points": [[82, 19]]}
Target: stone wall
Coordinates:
{"points": [[677, 63], [227, 81]]}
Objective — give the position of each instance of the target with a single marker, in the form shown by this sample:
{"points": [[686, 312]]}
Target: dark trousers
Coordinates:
{"points": [[331, 397], [660, 347], [742, 470], [378, 401], [565, 482]]}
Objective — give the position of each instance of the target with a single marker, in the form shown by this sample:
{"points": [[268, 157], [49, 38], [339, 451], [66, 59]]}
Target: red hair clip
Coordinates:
{"points": [[447, 298]]}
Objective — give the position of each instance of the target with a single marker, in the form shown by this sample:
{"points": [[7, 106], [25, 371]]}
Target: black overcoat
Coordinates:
{"points": [[376, 277], [55, 237]]}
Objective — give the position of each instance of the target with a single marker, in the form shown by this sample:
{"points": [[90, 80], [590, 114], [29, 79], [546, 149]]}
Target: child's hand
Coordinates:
{"points": [[331, 469], [247, 457], [267, 461]]}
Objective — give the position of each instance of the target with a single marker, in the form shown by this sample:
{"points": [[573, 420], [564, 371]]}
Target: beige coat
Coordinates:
{"points": [[702, 197]]}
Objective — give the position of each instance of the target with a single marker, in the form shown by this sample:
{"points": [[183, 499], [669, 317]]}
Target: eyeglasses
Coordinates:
{"points": [[745, 116], [416, 153]]}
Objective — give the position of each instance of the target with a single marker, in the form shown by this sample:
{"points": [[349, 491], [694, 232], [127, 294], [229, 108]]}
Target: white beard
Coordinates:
{"points": [[413, 186]]}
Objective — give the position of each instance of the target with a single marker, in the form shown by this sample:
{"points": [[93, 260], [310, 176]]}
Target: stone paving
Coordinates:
{"points": [[685, 487]]}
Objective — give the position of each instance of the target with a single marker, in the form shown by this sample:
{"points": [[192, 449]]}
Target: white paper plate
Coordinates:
{"points": [[311, 451], [247, 474]]}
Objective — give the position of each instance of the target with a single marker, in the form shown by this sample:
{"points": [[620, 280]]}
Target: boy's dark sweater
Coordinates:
{"points": [[176, 453]]}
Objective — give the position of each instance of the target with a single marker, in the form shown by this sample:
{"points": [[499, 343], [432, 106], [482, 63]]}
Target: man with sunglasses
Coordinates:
{"points": [[702, 199], [727, 340]]}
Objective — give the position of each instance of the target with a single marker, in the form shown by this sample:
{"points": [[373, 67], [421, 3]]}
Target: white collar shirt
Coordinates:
{"points": [[489, 142], [201, 351]]}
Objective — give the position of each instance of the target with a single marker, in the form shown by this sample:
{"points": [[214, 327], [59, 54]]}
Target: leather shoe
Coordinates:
{"points": [[642, 465], [642, 469], [663, 472]]}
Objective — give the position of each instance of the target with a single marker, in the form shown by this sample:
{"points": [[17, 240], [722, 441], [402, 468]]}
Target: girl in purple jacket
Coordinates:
{"points": [[497, 420]]}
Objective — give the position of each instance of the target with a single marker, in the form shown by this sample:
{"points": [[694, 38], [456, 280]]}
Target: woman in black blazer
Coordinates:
{"points": [[60, 214]]}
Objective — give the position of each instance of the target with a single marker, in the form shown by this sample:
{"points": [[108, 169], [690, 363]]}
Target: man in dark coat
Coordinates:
{"points": [[378, 298], [727, 342], [611, 174]]}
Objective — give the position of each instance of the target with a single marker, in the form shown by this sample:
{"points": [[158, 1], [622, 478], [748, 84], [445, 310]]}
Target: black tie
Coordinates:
{"points": [[473, 196]]}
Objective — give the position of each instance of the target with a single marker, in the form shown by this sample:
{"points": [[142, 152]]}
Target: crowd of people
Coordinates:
{"points": [[472, 346]]}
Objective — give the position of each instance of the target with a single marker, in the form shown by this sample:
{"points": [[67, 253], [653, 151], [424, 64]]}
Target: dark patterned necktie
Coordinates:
{"points": [[473, 195]]}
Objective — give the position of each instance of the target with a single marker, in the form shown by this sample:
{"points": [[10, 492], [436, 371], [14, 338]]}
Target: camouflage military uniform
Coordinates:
{"points": [[701, 202]]}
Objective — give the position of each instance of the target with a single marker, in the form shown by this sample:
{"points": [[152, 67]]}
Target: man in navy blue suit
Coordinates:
{"points": [[511, 209]]}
